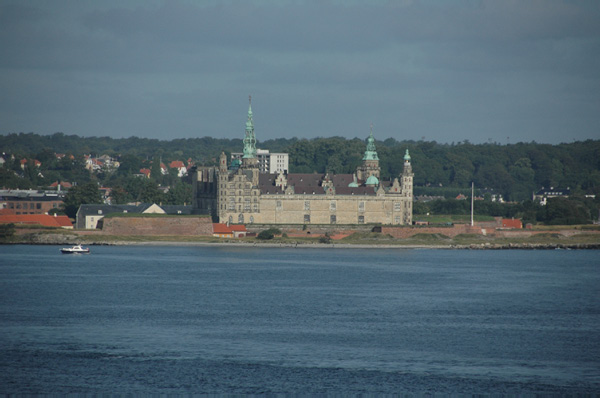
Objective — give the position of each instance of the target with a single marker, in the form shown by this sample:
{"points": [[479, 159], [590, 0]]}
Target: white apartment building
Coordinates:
{"points": [[268, 163]]}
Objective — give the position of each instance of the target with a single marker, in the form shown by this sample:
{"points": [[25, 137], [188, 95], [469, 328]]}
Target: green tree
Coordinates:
{"points": [[130, 164], [265, 235], [179, 194], [81, 194], [7, 231]]}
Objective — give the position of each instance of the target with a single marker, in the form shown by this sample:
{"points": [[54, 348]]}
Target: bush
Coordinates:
{"points": [[274, 231], [325, 238], [7, 230], [266, 235]]}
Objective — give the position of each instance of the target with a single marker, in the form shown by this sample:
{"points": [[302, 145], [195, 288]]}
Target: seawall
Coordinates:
{"points": [[153, 226]]}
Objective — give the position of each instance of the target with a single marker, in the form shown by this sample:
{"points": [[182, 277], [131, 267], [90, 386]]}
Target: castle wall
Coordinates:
{"points": [[183, 226], [347, 209]]}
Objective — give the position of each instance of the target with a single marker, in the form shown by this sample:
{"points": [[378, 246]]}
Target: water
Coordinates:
{"points": [[134, 319]]}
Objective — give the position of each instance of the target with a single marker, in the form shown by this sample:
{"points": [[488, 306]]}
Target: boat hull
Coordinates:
{"points": [[69, 251]]}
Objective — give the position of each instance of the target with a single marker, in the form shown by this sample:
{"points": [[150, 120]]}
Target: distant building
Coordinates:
{"points": [[30, 201], [89, 215], [512, 223], [229, 231], [179, 166], [548, 193], [493, 195], [240, 193], [268, 163]]}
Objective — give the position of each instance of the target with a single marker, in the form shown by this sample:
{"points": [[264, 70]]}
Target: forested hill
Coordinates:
{"points": [[515, 170]]}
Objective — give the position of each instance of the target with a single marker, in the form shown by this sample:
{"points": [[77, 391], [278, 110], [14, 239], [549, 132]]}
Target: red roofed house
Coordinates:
{"points": [[512, 223], [60, 185], [231, 231], [181, 169], [35, 162], [37, 219], [145, 172]]}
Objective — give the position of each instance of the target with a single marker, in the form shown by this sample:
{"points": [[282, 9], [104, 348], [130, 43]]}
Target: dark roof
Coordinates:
{"points": [[89, 209], [311, 184], [31, 195], [177, 209], [553, 191]]}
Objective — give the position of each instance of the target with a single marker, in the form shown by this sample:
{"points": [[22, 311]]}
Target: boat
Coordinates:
{"points": [[77, 249]]}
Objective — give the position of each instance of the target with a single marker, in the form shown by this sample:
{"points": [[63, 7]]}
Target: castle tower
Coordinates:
{"points": [[249, 158], [223, 163], [370, 166]]}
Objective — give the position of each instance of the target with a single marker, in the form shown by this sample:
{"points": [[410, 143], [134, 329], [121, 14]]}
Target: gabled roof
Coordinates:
{"points": [[310, 184], [104, 209], [63, 184], [177, 209], [176, 164], [236, 227], [512, 223], [92, 209], [221, 229]]}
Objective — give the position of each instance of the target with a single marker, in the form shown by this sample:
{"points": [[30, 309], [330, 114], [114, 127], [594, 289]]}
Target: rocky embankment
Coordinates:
{"points": [[70, 238], [529, 246]]}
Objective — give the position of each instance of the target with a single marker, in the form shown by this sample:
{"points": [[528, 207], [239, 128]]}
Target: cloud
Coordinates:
{"points": [[448, 70]]}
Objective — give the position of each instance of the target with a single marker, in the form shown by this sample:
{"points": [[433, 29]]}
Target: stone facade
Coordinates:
{"points": [[238, 193], [177, 225]]}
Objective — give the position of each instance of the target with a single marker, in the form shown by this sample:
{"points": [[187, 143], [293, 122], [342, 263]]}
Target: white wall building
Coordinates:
{"points": [[268, 163]]}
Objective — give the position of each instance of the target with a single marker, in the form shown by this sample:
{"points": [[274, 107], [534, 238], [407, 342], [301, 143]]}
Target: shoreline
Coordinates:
{"points": [[316, 245]]}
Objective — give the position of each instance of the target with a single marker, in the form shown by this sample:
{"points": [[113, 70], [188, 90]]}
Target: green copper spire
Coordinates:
{"points": [[249, 138], [406, 156], [371, 152]]}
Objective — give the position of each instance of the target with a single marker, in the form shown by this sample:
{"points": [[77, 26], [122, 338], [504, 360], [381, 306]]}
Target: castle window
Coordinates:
{"points": [[361, 219], [306, 205], [332, 219], [251, 219], [361, 206], [307, 218], [332, 205], [397, 206], [397, 220], [279, 205], [241, 218]]}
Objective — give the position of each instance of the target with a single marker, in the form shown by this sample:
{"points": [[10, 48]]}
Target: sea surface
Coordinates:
{"points": [[235, 320]]}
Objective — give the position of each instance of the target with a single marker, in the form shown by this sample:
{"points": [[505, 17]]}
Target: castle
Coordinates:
{"points": [[238, 193]]}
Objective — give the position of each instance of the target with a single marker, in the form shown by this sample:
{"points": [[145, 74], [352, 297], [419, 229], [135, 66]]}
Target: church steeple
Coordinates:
{"points": [[371, 152], [249, 138], [369, 171]]}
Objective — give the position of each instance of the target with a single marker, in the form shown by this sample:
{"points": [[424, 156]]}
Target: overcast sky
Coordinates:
{"points": [[478, 70]]}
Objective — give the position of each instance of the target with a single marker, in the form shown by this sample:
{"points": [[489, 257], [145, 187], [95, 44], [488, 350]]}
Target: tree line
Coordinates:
{"points": [[515, 171]]}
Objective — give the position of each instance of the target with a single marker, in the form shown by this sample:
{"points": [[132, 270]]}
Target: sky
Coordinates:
{"points": [[501, 71]]}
